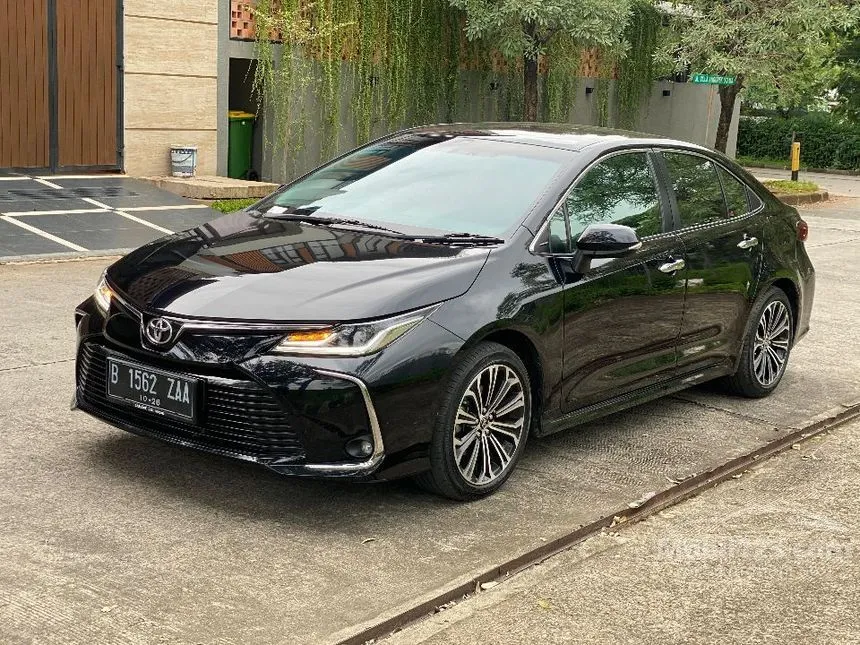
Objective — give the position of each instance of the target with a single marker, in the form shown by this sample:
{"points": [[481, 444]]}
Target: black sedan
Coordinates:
{"points": [[422, 305]]}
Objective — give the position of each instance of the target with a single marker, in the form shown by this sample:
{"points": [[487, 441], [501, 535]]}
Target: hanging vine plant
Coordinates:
{"points": [[561, 80], [398, 63], [636, 68]]}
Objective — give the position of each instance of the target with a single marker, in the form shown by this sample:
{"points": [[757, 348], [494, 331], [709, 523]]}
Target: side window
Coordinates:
{"points": [[559, 242], [755, 200], [619, 190], [697, 188], [736, 194]]}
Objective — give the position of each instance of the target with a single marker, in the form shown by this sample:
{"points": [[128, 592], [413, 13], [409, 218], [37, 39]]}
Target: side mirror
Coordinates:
{"points": [[608, 241]]}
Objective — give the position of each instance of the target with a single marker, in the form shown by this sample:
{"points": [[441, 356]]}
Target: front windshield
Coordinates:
{"points": [[430, 181]]}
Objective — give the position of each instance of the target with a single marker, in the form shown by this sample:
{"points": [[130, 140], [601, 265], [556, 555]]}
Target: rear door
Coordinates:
{"points": [[622, 316], [722, 237]]}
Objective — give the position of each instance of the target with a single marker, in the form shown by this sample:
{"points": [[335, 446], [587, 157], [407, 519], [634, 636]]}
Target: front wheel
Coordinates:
{"points": [[767, 346], [483, 425]]}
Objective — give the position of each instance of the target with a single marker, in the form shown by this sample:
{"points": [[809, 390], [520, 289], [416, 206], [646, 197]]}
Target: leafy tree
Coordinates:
{"points": [[760, 42], [522, 29], [848, 81]]}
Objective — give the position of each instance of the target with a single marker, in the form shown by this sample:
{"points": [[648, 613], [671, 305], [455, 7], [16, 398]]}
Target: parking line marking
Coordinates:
{"points": [[72, 211], [90, 200], [143, 221], [47, 183], [15, 178], [80, 176], [42, 233], [163, 208]]}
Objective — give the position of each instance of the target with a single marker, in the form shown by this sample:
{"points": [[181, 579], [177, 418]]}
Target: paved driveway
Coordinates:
{"points": [[836, 185], [79, 214], [110, 538]]}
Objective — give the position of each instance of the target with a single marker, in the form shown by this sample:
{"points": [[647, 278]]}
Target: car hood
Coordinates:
{"points": [[241, 267]]}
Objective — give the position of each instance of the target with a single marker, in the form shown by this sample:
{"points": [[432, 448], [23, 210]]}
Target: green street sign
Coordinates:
{"points": [[713, 79]]}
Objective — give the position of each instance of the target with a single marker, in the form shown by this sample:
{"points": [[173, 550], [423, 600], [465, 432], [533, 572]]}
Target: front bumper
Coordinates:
{"points": [[292, 415]]}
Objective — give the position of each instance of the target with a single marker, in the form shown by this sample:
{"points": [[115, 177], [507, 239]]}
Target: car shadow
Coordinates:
{"points": [[247, 489]]}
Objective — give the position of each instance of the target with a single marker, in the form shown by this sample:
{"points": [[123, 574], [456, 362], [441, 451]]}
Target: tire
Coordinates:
{"points": [[472, 465], [765, 352]]}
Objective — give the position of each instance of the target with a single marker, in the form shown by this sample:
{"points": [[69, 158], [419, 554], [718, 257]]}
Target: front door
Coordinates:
{"points": [[723, 242], [622, 316]]}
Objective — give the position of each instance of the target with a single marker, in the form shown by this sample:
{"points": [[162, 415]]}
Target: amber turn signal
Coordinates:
{"points": [[308, 336]]}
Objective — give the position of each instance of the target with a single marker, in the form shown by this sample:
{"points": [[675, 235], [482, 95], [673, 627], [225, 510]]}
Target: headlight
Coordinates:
{"points": [[357, 339], [103, 294]]}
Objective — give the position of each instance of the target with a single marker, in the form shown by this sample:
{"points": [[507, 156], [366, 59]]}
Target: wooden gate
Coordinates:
{"points": [[60, 95]]}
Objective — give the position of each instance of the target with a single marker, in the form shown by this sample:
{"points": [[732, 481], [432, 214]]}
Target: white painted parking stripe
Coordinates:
{"points": [[61, 177], [163, 208], [14, 179], [127, 216], [42, 233], [48, 183], [90, 200], [143, 221], [72, 211]]}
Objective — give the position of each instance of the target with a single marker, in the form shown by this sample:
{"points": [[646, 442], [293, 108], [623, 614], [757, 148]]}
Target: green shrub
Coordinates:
{"points": [[826, 142]]}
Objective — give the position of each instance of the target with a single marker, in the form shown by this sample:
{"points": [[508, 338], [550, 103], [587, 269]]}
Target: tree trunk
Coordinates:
{"points": [[728, 95], [530, 89]]}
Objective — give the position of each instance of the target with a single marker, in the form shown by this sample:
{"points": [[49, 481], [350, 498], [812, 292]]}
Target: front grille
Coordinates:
{"points": [[239, 418]]}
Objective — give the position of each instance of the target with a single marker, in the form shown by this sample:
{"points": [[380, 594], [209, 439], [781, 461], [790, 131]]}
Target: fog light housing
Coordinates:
{"points": [[360, 448]]}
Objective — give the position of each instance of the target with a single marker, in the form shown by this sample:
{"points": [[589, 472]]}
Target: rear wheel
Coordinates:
{"points": [[766, 347], [483, 425]]}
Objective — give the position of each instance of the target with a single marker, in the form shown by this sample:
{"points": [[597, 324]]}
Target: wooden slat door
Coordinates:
{"points": [[24, 100], [87, 83]]}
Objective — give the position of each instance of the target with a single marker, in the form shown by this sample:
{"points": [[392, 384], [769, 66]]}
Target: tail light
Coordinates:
{"points": [[802, 230]]}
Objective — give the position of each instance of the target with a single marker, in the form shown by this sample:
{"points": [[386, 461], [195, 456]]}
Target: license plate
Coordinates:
{"points": [[153, 390]]}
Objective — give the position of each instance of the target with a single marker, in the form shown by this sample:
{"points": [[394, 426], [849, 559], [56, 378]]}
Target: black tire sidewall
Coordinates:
{"points": [[449, 481], [745, 379]]}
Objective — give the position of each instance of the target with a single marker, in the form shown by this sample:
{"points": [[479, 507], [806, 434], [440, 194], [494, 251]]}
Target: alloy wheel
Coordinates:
{"points": [[489, 424], [771, 345]]}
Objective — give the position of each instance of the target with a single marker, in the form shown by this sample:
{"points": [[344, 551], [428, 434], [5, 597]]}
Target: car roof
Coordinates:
{"points": [[564, 136]]}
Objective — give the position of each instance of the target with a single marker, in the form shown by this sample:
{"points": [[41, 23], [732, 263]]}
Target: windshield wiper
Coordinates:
{"points": [[309, 218], [458, 238]]}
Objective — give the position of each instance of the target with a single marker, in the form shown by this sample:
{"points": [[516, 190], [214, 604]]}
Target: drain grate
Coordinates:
{"points": [[46, 194]]}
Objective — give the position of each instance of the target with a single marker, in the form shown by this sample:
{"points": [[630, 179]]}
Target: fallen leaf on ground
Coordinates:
{"points": [[488, 585], [108, 609], [638, 502], [544, 604], [366, 540]]}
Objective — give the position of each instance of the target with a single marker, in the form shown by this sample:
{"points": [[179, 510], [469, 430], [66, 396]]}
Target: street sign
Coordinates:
{"points": [[713, 79]]}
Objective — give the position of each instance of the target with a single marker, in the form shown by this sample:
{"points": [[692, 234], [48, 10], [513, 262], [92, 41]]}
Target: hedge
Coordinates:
{"points": [[826, 142]]}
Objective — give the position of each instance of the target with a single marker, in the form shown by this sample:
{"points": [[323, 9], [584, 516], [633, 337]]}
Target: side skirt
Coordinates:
{"points": [[550, 426]]}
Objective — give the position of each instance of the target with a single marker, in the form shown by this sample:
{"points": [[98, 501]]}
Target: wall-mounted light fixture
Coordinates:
{"points": [[589, 90]]}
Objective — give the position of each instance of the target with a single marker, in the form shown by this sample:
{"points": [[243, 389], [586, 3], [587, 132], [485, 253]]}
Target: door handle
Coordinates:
{"points": [[748, 242], [673, 266]]}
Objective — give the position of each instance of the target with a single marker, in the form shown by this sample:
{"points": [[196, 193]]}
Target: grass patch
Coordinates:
{"points": [[763, 162], [788, 187], [232, 205]]}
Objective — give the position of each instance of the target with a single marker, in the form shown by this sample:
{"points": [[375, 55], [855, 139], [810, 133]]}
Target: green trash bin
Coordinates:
{"points": [[241, 141]]}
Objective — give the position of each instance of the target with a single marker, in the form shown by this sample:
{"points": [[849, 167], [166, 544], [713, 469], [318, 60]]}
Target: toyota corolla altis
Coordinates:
{"points": [[425, 303]]}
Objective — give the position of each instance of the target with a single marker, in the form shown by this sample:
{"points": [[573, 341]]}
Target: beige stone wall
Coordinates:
{"points": [[171, 65]]}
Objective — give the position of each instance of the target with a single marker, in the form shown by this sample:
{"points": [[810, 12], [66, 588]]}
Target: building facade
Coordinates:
{"points": [[100, 85]]}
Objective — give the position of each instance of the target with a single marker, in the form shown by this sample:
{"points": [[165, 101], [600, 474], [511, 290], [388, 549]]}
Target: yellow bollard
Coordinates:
{"points": [[795, 160]]}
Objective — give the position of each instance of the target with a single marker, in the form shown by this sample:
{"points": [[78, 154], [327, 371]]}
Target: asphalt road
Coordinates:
{"points": [[106, 537]]}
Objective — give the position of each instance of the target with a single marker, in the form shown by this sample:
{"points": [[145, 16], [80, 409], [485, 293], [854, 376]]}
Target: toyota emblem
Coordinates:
{"points": [[158, 331]]}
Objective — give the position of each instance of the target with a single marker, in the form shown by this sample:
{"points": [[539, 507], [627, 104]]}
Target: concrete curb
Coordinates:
{"points": [[70, 256], [797, 199], [210, 187]]}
